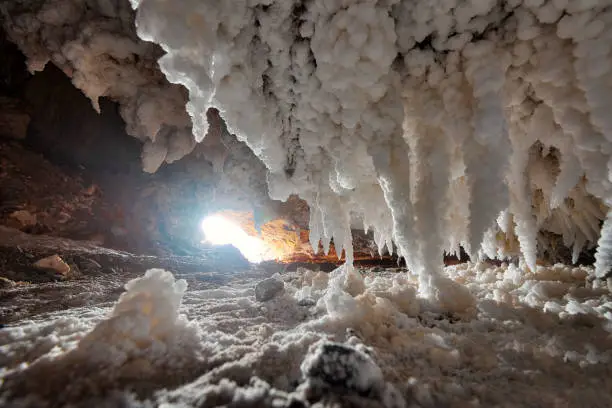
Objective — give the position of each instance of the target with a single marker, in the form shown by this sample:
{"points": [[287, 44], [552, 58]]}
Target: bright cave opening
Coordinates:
{"points": [[219, 230]]}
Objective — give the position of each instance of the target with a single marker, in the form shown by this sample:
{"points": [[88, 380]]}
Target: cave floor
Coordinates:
{"points": [[538, 339], [97, 274]]}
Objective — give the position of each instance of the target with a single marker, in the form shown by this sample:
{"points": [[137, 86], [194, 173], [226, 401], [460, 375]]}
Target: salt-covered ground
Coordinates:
{"points": [[532, 340]]}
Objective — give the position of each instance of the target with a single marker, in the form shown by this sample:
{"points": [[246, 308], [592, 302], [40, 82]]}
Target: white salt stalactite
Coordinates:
{"points": [[430, 175], [429, 204], [522, 138], [569, 175], [487, 152], [315, 227], [393, 168], [457, 127], [370, 201], [318, 90], [603, 256]]}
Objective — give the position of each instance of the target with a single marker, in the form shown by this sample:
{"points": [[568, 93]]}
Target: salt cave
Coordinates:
{"points": [[417, 194]]}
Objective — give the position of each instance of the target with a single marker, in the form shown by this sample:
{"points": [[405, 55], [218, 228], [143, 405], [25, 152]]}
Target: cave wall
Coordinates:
{"points": [[66, 128], [74, 172], [60, 151]]}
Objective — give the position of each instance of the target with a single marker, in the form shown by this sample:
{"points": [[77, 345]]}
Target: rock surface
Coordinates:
{"points": [[14, 120], [267, 289], [343, 366], [53, 263], [96, 272]]}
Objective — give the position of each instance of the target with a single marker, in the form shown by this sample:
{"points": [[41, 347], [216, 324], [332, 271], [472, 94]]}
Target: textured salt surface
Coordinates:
{"points": [[532, 339]]}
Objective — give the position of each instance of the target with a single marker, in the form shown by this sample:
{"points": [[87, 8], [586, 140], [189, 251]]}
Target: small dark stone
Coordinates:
{"points": [[268, 288], [306, 302], [6, 283], [295, 403], [341, 366]]}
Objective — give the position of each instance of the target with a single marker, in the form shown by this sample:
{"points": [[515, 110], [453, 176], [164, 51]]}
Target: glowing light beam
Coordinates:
{"points": [[220, 231]]}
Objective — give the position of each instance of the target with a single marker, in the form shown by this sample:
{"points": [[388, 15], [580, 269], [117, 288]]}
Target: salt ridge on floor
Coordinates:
{"points": [[539, 338]]}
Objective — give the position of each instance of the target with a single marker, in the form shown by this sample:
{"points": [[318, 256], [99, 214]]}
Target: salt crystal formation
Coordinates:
{"points": [[369, 341], [439, 124], [95, 44]]}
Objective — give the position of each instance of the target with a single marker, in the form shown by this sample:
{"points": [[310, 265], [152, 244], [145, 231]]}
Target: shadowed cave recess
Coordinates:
{"points": [[319, 203]]}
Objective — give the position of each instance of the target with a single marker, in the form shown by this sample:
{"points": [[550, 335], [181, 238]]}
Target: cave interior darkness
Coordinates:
{"points": [[131, 210]]}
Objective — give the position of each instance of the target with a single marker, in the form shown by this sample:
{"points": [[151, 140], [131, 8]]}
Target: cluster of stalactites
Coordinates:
{"points": [[94, 43], [442, 124]]}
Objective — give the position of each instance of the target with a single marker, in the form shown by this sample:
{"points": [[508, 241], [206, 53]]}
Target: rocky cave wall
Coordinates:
{"points": [[70, 171], [78, 174]]}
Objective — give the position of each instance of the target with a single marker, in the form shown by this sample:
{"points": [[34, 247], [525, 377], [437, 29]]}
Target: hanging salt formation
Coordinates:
{"points": [[428, 118]]}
